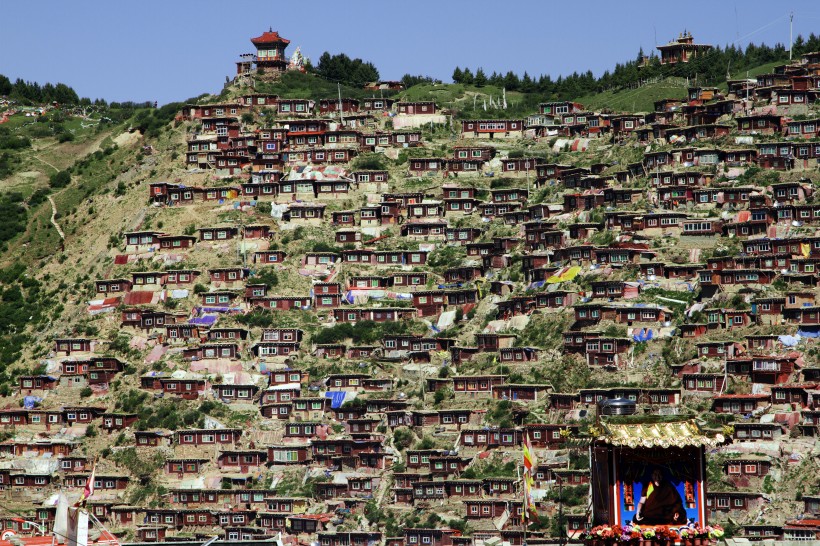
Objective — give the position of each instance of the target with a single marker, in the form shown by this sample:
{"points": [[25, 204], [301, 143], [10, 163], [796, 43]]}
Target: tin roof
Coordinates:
{"points": [[269, 37], [664, 434]]}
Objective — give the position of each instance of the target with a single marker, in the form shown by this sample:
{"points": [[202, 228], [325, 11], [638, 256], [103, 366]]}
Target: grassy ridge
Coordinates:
{"points": [[641, 99]]}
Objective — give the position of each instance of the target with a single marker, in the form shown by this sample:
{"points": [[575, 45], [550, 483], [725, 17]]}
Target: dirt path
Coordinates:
{"points": [[54, 218], [47, 163], [137, 221]]}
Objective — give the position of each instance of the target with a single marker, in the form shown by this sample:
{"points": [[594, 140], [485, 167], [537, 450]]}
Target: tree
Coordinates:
{"points": [[480, 78], [511, 81], [408, 80], [60, 179], [458, 76], [467, 76], [5, 85], [342, 68], [527, 85]]}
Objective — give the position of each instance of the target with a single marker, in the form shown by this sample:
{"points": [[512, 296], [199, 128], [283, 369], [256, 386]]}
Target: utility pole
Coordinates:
{"points": [[528, 178], [791, 28], [341, 119], [561, 534]]}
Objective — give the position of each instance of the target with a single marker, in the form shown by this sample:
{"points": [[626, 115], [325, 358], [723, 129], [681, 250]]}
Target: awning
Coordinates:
{"points": [[670, 434]]}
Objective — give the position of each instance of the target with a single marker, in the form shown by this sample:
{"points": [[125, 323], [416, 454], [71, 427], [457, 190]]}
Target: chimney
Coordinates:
{"points": [[615, 406]]}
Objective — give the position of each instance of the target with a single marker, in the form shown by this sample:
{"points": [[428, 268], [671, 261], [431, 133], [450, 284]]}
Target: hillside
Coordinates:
{"points": [[253, 319], [639, 99]]}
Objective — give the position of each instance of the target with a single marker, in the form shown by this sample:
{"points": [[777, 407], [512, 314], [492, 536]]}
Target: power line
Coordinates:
{"points": [[764, 27]]}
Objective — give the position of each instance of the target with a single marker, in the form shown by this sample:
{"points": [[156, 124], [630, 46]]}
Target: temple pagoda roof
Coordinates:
{"points": [[269, 37]]}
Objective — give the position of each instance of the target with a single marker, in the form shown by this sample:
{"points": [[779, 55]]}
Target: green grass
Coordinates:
{"points": [[467, 101], [99, 169], [754, 72], [634, 100], [296, 85], [642, 99]]}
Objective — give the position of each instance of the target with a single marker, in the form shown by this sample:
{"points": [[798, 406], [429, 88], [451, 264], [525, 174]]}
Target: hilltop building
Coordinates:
{"points": [[682, 50], [269, 57]]}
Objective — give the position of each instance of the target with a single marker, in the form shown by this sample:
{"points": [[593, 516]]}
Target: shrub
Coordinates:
{"points": [[441, 395], [38, 197], [200, 288], [60, 179]]}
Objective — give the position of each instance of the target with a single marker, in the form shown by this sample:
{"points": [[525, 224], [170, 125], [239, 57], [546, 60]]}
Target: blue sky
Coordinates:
{"points": [[174, 49]]}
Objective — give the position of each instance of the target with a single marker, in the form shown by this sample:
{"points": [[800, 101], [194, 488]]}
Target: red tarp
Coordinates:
{"points": [[121, 259], [138, 298], [106, 305]]}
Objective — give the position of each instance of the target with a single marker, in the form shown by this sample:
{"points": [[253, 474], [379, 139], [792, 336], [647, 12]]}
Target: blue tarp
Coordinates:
{"points": [[789, 341], [219, 309], [451, 285], [645, 334], [205, 321], [808, 333], [30, 401], [336, 398]]}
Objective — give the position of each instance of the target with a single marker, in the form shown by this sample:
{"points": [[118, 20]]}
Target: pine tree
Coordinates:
{"points": [[480, 79], [467, 76], [511, 81], [527, 85], [458, 76]]}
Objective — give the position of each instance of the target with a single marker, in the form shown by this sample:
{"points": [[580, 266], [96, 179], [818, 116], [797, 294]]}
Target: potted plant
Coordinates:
{"points": [[648, 537], [688, 534], [630, 534], [599, 535], [714, 532], [702, 536], [664, 536]]}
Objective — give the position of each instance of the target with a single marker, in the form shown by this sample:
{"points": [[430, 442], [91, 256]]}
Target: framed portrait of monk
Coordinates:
{"points": [[655, 490]]}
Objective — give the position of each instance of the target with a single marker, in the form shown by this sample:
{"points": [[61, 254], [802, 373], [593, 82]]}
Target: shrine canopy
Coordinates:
{"points": [[649, 469], [635, 432]]}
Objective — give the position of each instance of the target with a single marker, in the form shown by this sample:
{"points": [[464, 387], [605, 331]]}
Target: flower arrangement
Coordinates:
{"points": [[688, 531], [606, 535], [714, 532], [666, 534], [693, 534]]}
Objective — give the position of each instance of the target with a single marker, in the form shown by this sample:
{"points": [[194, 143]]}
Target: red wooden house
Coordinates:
{"points": [[492, 128], [198, 437]]}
